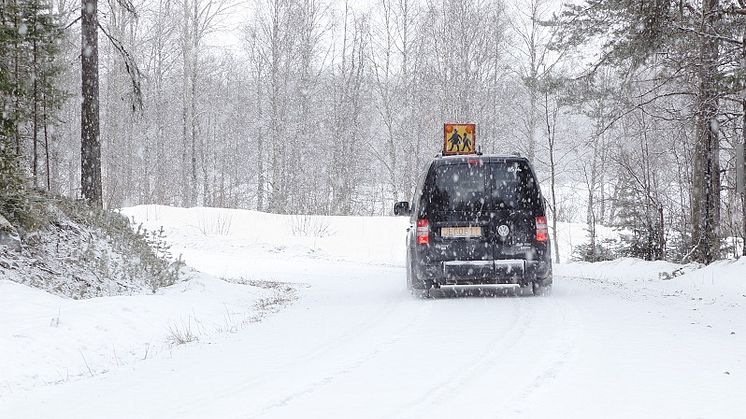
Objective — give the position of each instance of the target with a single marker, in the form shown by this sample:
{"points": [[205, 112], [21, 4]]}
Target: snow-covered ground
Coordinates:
{"points": [[615, 339], [50, 340]]}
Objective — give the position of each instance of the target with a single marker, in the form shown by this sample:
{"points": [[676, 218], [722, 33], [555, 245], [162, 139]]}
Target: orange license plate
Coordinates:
{"points": [[458, 232]]}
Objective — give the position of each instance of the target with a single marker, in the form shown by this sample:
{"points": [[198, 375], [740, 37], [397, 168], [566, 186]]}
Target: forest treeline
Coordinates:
{"points": [[631, 110]]}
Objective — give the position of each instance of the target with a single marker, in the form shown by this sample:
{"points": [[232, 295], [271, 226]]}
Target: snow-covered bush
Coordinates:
{"points": [[79, 251], [23, 207], [605, 250], [149, 255]]}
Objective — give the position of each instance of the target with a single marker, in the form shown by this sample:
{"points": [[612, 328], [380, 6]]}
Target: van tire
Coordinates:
{"points": [[539, 289], [414, 282]]}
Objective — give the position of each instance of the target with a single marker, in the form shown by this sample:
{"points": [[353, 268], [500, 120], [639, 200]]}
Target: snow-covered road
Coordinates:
{"points": [[355, 344]]}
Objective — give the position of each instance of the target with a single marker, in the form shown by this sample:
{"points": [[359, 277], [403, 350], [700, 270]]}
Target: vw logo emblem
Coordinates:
{"points": [[503, 230]]}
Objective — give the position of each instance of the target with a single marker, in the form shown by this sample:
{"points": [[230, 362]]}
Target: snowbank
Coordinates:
{"points": [[625, 269], [372, 240], [49, 339], [78, 252], [722, 282]]}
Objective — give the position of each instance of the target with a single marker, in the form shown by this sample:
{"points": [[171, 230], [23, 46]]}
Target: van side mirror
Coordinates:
{"points": [[401, 208]]}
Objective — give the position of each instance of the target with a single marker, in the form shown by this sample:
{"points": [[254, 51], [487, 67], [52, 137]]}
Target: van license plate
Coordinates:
{"points": [[456, 232]]}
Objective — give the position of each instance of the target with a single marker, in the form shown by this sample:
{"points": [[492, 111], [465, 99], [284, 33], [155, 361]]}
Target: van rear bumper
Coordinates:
{"points": [[477, 272]]}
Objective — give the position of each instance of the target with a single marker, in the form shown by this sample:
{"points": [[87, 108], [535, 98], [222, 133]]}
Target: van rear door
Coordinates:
{"points": [[513, 202], [454, 197]]}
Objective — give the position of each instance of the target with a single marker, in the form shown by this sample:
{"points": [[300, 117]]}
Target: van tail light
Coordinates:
{"points": [[423, 231], [542, 231]]}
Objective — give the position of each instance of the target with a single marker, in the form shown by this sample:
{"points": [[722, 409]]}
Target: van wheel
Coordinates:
{"points": [[409, 277], [538, 289], [421, 294], [414, 283]]}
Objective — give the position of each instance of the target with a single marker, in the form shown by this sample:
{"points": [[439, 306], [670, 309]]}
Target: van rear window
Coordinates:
{"points": [[490, 186], [457, 187], [512, 186]]}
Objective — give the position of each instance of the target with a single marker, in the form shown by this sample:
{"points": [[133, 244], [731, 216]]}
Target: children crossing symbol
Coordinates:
{"points": [[459, 138]]}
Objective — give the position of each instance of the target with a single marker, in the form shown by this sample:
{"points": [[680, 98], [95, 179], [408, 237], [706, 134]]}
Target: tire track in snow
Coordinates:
{"points": [[561, 349], [348, 335], [350, 367], [503, 340]]}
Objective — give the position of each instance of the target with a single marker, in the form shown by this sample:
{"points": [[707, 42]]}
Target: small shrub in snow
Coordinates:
{"points": [[55, 321], [156, 253], [219, 223], [310, 226], [181, 334], [605, 250]]}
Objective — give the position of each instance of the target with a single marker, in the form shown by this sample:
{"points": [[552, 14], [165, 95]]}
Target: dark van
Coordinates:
{"points": [[476, 220]]}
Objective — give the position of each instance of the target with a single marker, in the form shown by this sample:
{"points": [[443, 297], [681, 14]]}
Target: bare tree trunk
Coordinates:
{"points": [[277, 186], [185, 108], [743, 133], [35, 135], [590, 212], [534, 75], [16, 77], [46, 146], [193, 101], [160, 39], [532, 124], [551, 137], [706, 170], [90, 149], [661, 234], [408, 110], [602, 195], [134, 182], [259, 145]]}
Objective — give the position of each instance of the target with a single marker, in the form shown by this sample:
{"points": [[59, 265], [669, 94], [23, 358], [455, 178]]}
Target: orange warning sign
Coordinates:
{"points": [[459, 139]]}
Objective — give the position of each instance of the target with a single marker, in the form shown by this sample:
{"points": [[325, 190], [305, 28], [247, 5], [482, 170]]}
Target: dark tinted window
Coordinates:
{"points": [[476, 187], [456, 187], [512, 186]]}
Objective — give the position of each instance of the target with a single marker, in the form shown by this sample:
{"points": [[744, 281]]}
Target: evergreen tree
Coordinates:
{"points": [[682, 40], [29, 97], [639, 231]]}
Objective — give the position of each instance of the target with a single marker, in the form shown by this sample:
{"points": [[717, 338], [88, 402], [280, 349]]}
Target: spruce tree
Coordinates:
{"points": [[29, 99], [639, 231], [683, 41]]}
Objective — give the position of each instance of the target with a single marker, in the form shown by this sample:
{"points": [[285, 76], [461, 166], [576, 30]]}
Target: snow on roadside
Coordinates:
{"points": [[371, 240], [48, 339], [723, 282], [623, 269]]}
